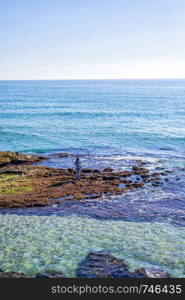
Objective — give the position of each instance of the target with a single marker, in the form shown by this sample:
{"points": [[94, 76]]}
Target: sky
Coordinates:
{"points": [[92, 39]]}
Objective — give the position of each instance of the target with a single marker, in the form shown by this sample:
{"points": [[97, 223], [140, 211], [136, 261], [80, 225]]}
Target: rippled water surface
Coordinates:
{"points": [[30, 244]]}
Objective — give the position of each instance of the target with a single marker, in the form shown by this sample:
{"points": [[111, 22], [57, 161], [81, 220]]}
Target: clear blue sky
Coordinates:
{"points": [[61, 39]]}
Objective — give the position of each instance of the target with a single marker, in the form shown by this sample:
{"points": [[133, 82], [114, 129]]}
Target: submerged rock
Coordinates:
{"points": [[153, 273], [12, 275], [103, 264], [50, 274], [63, 154], [108, 170]]}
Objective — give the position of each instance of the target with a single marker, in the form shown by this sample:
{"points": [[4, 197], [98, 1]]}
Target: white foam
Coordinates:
{"points": [[129, 157]]}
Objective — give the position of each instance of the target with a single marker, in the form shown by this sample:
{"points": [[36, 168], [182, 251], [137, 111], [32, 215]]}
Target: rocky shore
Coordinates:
{"points": [[24, 184], [99, 264]]}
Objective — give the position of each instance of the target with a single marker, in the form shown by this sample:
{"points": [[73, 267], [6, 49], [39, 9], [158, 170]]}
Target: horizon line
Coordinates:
{"points": [[65, 79]]}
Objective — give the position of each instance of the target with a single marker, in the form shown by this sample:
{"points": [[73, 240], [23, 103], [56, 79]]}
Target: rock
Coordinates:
{"points": [[96, 171], [125, 173], [157, 183], [71, 171], [108, 170], [64, 154], [23, 184], [103, 264], [145, 176], [7, 157], [138, 185], [86, 170], [153, 273], [14, 171], [50, 274], [12, 275], [158, 174], [141, 162], [139, 170], [107, 177]]}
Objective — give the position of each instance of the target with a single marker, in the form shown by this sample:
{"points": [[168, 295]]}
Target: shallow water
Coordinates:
{"points": [[31, 244]]}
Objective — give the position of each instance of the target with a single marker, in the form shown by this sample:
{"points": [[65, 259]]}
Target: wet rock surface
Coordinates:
{"points": [[103, 264], [12, 275], [136, 194], [50, 274], [15, 158], [152, 273]]}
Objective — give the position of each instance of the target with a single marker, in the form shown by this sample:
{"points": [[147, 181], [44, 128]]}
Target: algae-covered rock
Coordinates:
{"points": [[24, 184], [7, 157]]}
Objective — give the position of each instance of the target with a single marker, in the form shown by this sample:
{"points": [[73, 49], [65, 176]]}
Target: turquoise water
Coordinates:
{"points": [[31, 244], [102, 115], [110, 123]]}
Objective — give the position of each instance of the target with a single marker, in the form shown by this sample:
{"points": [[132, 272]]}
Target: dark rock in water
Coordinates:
{"points": [[107, 177], [138, 185], [103, 264], [64, 154], [50, 274], [153, 273], [86, 170], [139, 170], [12, 275], [141, 162], [96, 171], [159, 168], [108, 170], [158, 174]]}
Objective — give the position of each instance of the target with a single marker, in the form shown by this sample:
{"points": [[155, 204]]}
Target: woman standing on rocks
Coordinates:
{"points": [[78, 167]]}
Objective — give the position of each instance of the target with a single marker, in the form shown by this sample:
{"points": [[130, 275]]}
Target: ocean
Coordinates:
{"points": [[117, 116], [109, 123]]}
